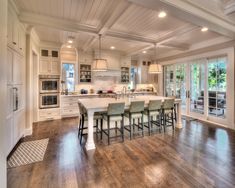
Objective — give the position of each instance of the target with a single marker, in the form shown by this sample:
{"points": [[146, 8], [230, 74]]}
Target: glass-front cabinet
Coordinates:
{"points": [[201, 84]]}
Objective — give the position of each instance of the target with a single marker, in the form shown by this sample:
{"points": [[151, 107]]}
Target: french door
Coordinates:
{"points": [[201, 84]]}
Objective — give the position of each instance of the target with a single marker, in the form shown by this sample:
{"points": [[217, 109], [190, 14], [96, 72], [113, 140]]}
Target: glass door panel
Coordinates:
{"points": [[197, 88], [169, 80], [180, 84], [217, 87]]}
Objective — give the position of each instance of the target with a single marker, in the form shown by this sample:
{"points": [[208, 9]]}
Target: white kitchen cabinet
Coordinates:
{"points": [[15, 33], [49, 114], [18, 125], [55, 67], [69, 106], [10, 57], [15, 118], [49, 62], [18, 69], [10, 24]]}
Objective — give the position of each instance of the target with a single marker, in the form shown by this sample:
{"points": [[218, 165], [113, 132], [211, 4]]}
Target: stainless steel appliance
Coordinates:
{"points": [[49, 91], [49, 83], [49, 100]]}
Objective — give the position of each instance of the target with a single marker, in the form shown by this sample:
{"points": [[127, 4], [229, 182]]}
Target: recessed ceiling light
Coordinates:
{"points": [[144, 52], [162, 14], [204, 29], [112, 47], [69, 46]]}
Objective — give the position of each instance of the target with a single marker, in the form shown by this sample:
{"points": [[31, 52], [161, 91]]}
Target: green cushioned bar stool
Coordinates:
{"points": [[168, 113], [136, 112], [154, 111], [114, 114], [83, 117]]}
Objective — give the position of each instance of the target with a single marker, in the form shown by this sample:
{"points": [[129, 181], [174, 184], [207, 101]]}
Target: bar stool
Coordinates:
{"points": [[168, 113], [114, 114], [83, 117], [136, 111], [154, 110]]}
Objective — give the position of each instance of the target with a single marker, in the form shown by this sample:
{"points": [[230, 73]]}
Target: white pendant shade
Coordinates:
{"points": [[100, 65], [155, 69]]}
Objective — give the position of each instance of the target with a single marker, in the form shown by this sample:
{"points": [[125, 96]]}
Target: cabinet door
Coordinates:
{"points": [[18, 69], [9, 120], [10, 29], [44, 66], [15, 38], [9, 134], [10, 56], [55, 67], [22, 40], [19, 125]]}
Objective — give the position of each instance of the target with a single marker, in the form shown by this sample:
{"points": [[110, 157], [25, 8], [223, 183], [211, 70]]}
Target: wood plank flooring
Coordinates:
{"points": [[198, 155]]}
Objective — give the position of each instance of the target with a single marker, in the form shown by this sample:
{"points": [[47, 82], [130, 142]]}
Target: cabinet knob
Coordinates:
{"points": [[14, 43]]}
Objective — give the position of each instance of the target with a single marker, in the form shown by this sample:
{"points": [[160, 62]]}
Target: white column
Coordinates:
{"points": [[90, 144], [179, 120]]}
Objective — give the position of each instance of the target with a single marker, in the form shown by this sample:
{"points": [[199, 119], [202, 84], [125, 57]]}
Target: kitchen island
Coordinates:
{"points": [[93, 105]]}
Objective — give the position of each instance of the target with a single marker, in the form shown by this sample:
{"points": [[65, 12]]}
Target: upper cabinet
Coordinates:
{"points": [[15, 33], [16, 71], [49, 62]]}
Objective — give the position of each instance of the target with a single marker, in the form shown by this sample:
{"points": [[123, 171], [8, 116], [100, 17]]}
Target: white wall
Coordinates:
{"points": [[3, 86]]}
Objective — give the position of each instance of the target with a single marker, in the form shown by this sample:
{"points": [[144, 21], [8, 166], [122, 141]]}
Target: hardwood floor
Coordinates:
{"points": [[196, 156]]}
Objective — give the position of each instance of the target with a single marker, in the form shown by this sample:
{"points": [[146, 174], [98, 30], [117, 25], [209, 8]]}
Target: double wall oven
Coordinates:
{"points": [[49, 91]]}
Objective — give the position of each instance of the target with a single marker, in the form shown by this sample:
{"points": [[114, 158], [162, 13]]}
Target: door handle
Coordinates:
{"points": [[15, 99]]}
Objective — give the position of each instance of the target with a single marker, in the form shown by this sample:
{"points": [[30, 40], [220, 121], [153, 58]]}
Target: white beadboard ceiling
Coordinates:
{"points": [[134, 29]]}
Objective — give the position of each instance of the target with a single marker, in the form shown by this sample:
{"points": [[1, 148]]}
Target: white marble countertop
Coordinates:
{"points": [[101, 104]]}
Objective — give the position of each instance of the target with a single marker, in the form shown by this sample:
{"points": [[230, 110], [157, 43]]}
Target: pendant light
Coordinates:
{"points": [[155, 68], [100, 64]]}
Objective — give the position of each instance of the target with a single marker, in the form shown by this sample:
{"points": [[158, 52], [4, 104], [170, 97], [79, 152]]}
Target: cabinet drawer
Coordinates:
{"points": [[46, 114], [69, 100], [70, 112], [70, 105]]}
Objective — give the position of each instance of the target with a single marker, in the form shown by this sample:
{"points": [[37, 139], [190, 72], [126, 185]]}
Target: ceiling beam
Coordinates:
{"points": [[180, 47], [140, 50], [191, 13], [118, 9], [57, 23]]}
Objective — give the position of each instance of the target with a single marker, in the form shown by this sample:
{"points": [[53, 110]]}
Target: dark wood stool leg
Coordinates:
{"points": [[108, 122]]}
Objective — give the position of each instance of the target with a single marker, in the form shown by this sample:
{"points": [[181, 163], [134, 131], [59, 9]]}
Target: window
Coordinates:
{"points": [[133, 76], [68, 80], [217, 87]]}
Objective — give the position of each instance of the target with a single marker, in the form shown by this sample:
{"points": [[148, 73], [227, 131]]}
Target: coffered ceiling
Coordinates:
{"points": [[130, 25]]}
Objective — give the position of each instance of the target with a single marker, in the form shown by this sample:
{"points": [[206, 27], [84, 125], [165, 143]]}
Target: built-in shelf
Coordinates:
{"points": [[85, 73], [125, 74]]}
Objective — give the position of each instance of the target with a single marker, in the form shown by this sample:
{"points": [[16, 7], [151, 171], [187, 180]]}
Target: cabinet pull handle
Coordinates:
{"points": [[14, 43]]}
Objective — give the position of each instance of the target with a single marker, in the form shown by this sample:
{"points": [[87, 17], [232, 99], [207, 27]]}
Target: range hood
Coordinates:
{"points": [[108, 73]]}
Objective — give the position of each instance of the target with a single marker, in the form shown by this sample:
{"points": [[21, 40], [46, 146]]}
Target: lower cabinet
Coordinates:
{"points": [[49, 114], [69, 106], [18, 125]]}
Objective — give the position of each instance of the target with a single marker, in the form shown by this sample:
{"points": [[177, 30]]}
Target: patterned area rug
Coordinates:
{"points": [[28, 152]]}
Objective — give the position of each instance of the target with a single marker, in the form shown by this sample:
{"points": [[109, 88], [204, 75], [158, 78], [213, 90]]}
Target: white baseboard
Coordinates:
{"points": [[28, 132]]}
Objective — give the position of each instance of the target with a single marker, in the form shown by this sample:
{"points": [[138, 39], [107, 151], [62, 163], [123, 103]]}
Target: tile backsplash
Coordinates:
{"points": [[107, 83]]}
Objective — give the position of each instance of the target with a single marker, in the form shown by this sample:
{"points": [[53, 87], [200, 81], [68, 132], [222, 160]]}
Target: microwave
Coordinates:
{"points": [[49, 84]]}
